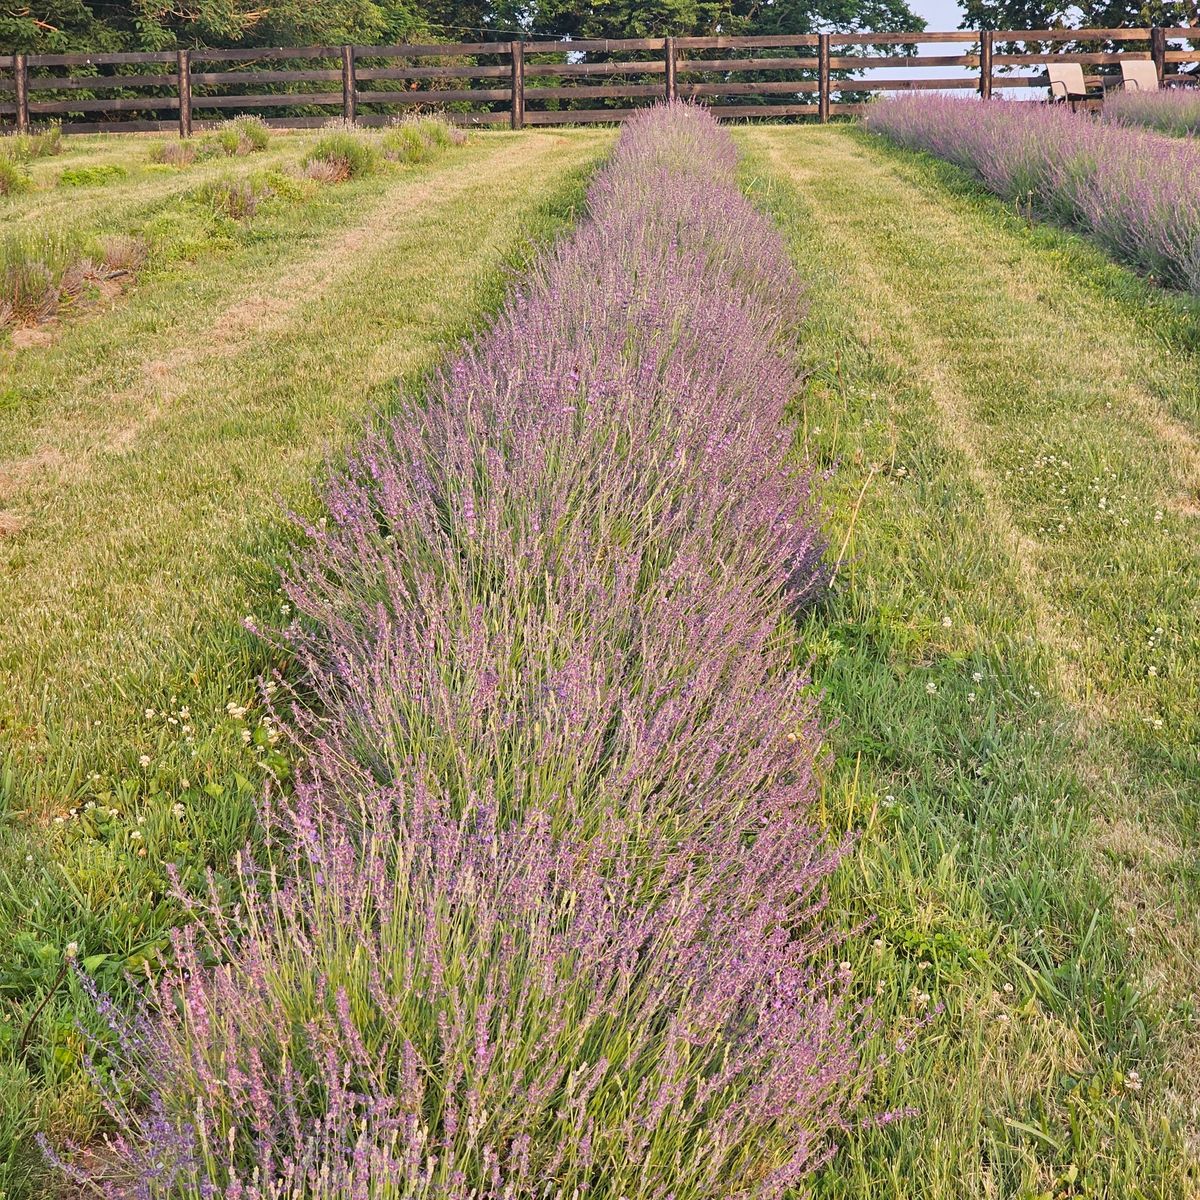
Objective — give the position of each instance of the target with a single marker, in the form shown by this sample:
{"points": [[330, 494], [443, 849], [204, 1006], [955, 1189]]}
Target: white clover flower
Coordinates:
{"points": [[135, 835], [971, 697], [72, 950], [946, 622], [149, 714], [931, 687], [976, 676], [179, 811], [144, 760], [1151, 671]]}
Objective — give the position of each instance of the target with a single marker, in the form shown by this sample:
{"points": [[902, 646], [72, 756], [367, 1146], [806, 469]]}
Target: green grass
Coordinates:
{"points": [[146, 456], [1025, 785]]}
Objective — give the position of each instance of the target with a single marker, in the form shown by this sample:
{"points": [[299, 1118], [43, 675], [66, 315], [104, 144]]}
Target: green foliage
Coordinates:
{"points": [[174, 153], [63, 25], [349, 154], [37, 270], [1093, 14], [418, 139], [235, 198], [253, 133], [22, 147], [12, 178], [95, 176]]}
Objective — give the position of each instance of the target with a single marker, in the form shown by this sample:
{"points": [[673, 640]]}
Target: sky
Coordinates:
{"points": [[938, 14]]}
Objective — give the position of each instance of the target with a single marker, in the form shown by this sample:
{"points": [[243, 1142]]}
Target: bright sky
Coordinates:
{"points": [[939, 14]]}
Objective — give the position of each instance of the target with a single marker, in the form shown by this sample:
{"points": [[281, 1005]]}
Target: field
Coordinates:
{"points": [[1007, 423]]}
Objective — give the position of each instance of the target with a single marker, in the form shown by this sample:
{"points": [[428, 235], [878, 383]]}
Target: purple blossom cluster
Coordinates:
{"points": [[1130, 189], [1175, 111], [544, 914]]}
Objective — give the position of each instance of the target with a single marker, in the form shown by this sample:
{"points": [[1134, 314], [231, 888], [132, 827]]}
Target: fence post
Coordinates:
{"points": [[1158, 50], [985, 64], [671, 89], [517, 105], [823, 77], [21, 75], [349, 86], [183, 77]]}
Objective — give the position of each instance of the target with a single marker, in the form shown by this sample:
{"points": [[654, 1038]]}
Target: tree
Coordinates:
{"points": [[50, 26], [1094, 14]]}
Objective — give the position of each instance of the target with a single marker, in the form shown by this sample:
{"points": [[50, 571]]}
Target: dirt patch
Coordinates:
{"points": [[10, 524], [18, 472], [32, 337]]}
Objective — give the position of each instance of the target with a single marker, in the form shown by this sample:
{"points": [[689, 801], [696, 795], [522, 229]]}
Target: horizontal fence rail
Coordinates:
{"points": [[541, 82]]}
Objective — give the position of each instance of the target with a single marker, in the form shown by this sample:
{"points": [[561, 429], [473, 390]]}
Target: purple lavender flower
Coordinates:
{"points": [[544, 914], [1129, 188]]}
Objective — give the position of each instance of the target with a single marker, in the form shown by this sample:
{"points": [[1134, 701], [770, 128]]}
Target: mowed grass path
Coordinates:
{"points": [[146, 458], [1012, 649]]}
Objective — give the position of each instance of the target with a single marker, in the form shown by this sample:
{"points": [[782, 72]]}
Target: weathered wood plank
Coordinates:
{"points": [[766, 88], [268, 100], [598, 92], [97, 83], [114, 104], [434, 96], [450, 71], [568, 70], [694, 66], [251, 76]]}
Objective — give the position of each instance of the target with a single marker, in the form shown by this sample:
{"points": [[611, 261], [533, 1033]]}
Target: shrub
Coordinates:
{"points": [[1126, 187], [12, 179], [174, 154], [37, 272], [1172, 111], [243, 135], [124, 254], [237, 199], [417, 139], [253, 134], [43, 143], [94, 176], [543, 915], [320, 170], [349, 154]]}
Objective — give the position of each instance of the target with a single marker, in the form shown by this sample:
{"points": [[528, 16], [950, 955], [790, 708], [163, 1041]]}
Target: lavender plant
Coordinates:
{"points": [[1173, 110], [544, 913], [1128, 188]]}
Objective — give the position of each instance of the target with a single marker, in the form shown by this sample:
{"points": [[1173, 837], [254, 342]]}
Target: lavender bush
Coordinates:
{"points": [[543, 916], [1132, 190], [1173, 110]]}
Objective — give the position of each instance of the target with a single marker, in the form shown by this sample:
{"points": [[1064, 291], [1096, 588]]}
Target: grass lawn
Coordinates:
{"points": [[1010, 651], [147, 451], [1010, 648]]}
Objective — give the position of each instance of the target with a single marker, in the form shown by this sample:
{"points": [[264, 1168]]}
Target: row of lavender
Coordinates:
{"points": [[1132, 190], [1172, 110], [544, 913]]}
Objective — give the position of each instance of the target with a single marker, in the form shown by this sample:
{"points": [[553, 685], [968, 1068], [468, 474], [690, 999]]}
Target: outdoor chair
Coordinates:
{"points": [[1067, 84], [1139, 75]]}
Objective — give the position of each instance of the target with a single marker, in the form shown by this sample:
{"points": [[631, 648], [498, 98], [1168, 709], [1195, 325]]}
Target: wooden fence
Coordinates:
{"points": [[551, 82]]}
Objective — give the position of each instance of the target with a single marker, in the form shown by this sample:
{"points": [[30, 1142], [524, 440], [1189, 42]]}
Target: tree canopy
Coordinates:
{"points": [[50, 26], [1080, 14]]}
